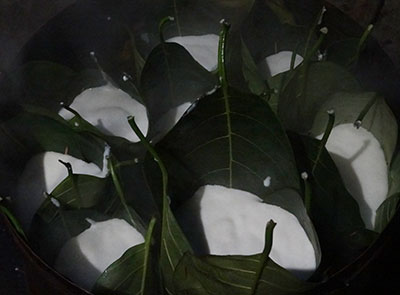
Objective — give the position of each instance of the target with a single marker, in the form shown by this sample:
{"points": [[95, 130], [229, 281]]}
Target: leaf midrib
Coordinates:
{"points": [[229, 130]]}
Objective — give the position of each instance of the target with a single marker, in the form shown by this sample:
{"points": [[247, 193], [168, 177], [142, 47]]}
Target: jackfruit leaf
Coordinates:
{"points": [[92, 190], [170, 78], [242, 70], [272, 30], [39, 130], [253, 78], [394, 175], [47, 84], [170, 240], [13, 220], [388, 208], [122, 148], [386, 211], [379, 120], [173, 246], [276, 83], [235, 141], [46, 237], [234, 275], [296, 110], [138, 194], [85, 79], [333, 211], [134, 272]]}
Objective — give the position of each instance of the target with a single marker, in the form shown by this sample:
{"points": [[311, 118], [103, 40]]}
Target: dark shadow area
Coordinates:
{"points": [[189, 219], [351, 179]]}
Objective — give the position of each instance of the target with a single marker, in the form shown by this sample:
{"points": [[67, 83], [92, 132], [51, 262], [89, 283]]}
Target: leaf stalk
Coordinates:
{"points": [[118, 187], [222, 76], [264, 255], [364, 112], [72, 176], [161, 26], [324, 140], [147, 252]]}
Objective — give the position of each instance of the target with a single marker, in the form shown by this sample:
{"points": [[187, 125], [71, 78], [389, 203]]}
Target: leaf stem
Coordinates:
{"points": [[303, 77], [363, 39], [364, 112], [147, 247], [156, 157], [327, 133], [316, 23], [72, 176], [360, 46], [264, 255], [287, 76], [222, 56], [118, 188], [161, 26]]}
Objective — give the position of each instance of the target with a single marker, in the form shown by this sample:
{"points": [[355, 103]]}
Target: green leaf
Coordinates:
{"points": [[46, 83], [234, 275], [386, 211], [379, 120], [92, 190], [131, 215], [132, 273], [334, 212], [47, 237], [297, 110], [124, 276], [170, 78], [14, 221], [39, 130], [171, 241], [242, 69], [122, 148], [235, 141], [394, 175], [269, 29]]}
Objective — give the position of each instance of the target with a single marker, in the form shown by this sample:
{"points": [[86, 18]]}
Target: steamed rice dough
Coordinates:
{"points": [[203, 48], [85, 257], [42, 174], [279, 63], [224, 221], [361, 162], [108, 108]]}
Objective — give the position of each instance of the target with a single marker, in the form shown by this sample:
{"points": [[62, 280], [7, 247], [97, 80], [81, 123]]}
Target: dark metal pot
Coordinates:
{"points": [[367, 275]]}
